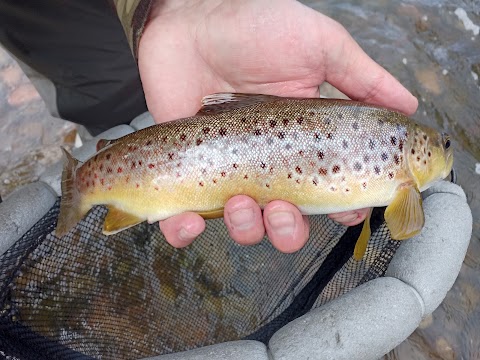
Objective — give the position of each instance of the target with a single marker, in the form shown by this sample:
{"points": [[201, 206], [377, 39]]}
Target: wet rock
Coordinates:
{"points": [[428, 78]]}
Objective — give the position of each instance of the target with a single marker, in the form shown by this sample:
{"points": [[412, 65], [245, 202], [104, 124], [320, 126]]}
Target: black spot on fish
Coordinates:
{"points": [[393, 140], [288, 146], [222, 131], [396, 159], [262, 165], [206, 130], [340, 116], [425, 137], [285, 122], [384, 156], [257, 132], [314, 182], [289, 176], [317, 136], [376, 168], [300, 121], [244, 120], [345, 144], [366, 159], [298, 169], [371, 144], [330, 136], [281, 135], [364, 185], [336, 169], [320, 155], [400, 145], [327, 121], [108, 156], [390, 175], [235, 166], [183, 137], [199, 141], [413, 151], [429, 154], [357, 166], [355, 126], [273, 123], [322, 171]]}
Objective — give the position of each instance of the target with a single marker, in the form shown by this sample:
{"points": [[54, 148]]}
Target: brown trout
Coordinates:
{"points": [[322, 155]]}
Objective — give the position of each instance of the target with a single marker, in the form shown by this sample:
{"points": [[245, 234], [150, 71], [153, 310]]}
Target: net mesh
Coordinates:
{"points": [[131, 295]]}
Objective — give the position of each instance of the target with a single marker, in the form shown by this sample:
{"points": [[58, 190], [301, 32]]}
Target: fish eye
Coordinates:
{"points": [[446, 141]]}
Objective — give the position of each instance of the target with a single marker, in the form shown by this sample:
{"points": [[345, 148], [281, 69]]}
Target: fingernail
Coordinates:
{"points": [[186, 235], [242, 219], [282, 223]]}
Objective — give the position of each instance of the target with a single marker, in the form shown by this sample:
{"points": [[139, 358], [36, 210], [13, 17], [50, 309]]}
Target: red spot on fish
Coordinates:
{"points": [[108, 156], [199, 141], [298, 170], [102, 181], [95, 175], [323, 171], [109, 188], [109, 170], [88, 183], [100, 167], [119, 170], [137, 185], [336, 169], [151, 166]]}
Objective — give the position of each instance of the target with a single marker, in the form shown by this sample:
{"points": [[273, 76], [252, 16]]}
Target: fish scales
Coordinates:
{"points": [[322, 155]]}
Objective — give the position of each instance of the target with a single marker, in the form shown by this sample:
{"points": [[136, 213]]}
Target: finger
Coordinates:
{"points": [[181, 230], [352, 71], [243, 219], [350, 218], [286, 228]]}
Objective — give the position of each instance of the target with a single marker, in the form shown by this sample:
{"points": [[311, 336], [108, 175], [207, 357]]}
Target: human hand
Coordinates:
{"points": [[190, 49]]}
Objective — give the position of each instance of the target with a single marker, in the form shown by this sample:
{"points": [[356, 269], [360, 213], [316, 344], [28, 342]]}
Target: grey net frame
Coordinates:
{"points": [[131, 295]]}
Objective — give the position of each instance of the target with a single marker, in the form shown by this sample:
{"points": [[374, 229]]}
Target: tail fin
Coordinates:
{"points": [[70, 205]]}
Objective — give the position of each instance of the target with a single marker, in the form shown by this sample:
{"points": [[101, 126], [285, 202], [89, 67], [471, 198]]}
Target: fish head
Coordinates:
{"points": [[430, 157]]}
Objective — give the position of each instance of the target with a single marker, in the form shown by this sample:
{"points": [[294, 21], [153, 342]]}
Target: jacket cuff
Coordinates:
{"points": [[133, 15]]}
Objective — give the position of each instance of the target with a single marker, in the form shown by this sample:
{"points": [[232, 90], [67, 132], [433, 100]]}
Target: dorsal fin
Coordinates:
{"points": [[222, 102]]}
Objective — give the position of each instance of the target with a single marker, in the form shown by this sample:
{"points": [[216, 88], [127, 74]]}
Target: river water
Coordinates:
{"points": [[432, 47]]}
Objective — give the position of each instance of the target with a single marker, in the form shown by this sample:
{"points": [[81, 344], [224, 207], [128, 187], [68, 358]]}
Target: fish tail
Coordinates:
{"points": [[71, 211]]}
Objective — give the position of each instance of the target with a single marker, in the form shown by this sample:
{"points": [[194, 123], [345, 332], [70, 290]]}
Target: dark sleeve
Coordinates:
{"points": [[133, 15]]}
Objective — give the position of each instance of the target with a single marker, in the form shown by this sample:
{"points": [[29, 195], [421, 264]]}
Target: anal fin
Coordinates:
{"points": [[362, 242], [118, 220], [404, 216], [211, 214]]}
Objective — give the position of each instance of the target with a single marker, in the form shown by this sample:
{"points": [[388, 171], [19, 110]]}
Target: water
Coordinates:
{"points": [[431, 46]]}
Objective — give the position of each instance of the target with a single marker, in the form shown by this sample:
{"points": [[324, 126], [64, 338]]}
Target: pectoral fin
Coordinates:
{"points": [[404, 216], [118, 220], [362, 242], [212, 214]]}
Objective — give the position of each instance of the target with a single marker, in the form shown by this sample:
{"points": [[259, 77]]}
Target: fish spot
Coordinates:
{"points": [[273, 123], [199, 141], [317, 136], [95, 175], [298, 169], [206, 130], [137, 185], [200, 183], [234, 151], [418, 158], [384, 156], [235, 165], [108, 156], [183, 137], [376, 168], [429, 154], [323, 171], [396, 159], [330, 136], [424, 162], [366, 159], [127, 179], [297, 181], [327, 121], [364, 185], [425, 137], [289, 176], [321, 155], [109, 188], [355, 126], [336, 169], [214, 181], [222, 131], [151, 166], [148, 143], [314, 182], [393, 140], [345, 144], [223, 173], [300, 121], [400, 145], [263, 165], [170, 156], [347, 190], [165, 139], [109, 170], [269, 141], [371, 144], [413, 151], [311, 113], [357, 166], [245, 177], [271, 169], [333, 188], [340, 116], [285, 122], [267, 185], [257, 132], [390, 175], [281, 135], [119, 170], [102, 181], [380, 122], [244, 120], [288, 146], [95, 158], [300, 153], [139, 162]]}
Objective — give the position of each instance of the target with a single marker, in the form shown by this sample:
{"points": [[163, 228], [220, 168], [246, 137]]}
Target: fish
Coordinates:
{"points": [[322, 155]]}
